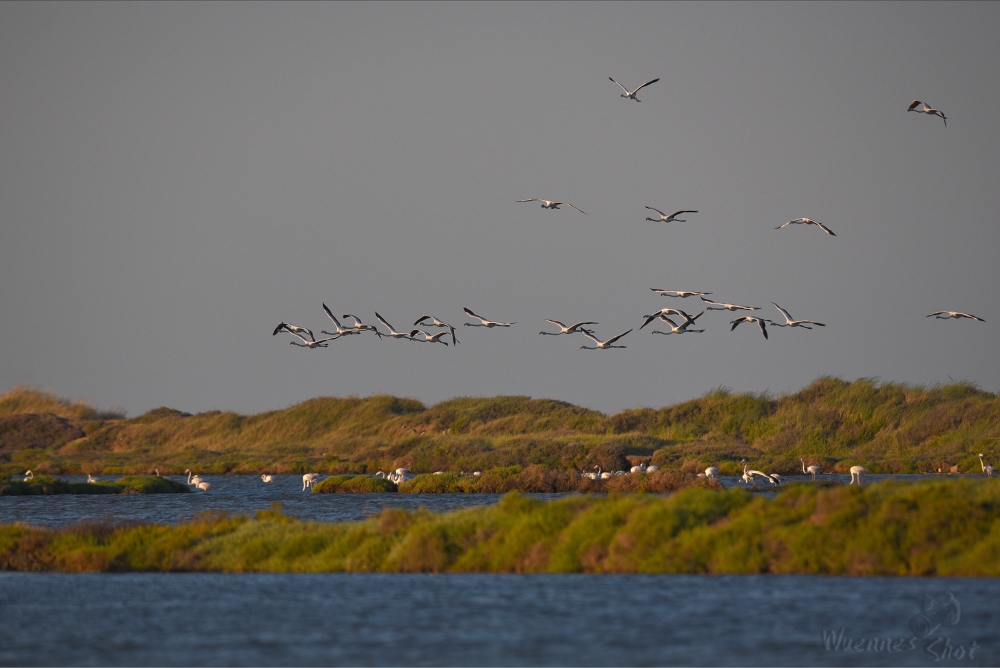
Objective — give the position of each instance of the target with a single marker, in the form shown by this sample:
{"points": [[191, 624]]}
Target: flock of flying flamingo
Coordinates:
{"points": [[683, 325]]}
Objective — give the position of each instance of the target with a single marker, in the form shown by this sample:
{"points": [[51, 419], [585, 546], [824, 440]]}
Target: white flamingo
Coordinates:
{"points": [[563, 329], [308, 480], [552, 204], [945, 315], [794, 323], [203, 486], [266, 478], [641, 468], [857, 471], [987, 469], [928, 110], [362, 327], [680, 293], [630, 94], [711, 472], [392, 332], [306, 343], [651, 468], [341, 331], [430, 338], [28, 475], [91, 479], [672, 218], [192, 478], [664, 312], [593, 475], [437, 323], [761, 322], [293, 329], [484, 322], [814, 470], [807, 221], [601, 345], [720, 306], [678, 329]]}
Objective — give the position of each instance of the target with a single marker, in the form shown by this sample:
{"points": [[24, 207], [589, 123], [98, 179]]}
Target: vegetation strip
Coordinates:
{"points": [[938, 527], [45, 485], [887, 428]]}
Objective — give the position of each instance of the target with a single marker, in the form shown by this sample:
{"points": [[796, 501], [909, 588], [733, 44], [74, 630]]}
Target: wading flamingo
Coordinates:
{"points": [[266, 478], [857, 471], [812, 469], [987, 469], [308, 480]]}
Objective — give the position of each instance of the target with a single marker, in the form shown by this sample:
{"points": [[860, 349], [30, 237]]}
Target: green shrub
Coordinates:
{"points": [[354, 484]]}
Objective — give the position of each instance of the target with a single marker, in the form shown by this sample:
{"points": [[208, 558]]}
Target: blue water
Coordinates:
{"points": [[472, 619], [244, 494], [395, 619]]}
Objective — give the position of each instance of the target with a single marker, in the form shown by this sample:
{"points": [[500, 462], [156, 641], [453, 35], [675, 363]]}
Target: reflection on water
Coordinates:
{"points": [[396, 619], [244, 494]]}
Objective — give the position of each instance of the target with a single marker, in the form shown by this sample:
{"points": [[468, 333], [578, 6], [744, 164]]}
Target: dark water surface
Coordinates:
{"points": [[244, 494], [588, 620]]}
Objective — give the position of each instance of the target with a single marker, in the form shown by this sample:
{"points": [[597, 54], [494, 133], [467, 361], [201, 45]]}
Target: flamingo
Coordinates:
{"points": [[641, 468], [944, 315], [157, 472], [651, 468], [192, 480], [437, 323], [857, 471], [28, 475], [293, 329], [711, 472], [630, 94], [91, 479], [807, 221], [761, 322], [928, 110], [794, 323], [435, 338], [680, 293], [203, 486], [601, 345], [563, 329], [484, 322], [720, 306], [593, 475], [266, 478], [341, 331], [987, 469], [400, 475], [362, 327], [306, 343], [664, 218], [812, 469], [308, 480], [552, 204], [663, 312], [678, 329], [392, 332]]}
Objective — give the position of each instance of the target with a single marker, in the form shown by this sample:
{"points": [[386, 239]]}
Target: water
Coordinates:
{"points": [[244, 494], [588, 620]]}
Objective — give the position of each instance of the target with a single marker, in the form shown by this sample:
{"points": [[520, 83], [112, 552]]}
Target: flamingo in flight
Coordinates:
{"points": [[306, 343], [664, 312], [719, 306], [551, 204], [664, 218], [601, 345], [392, 332], [789, 322], [437, 323], [928, 110], [761, 322], [435, 338], [293, 329], [680, 293], [945, 315], [563, 329], [341, 331], [630, 94], [807, 221], [678, 329], [362, 327], [484, 322]]}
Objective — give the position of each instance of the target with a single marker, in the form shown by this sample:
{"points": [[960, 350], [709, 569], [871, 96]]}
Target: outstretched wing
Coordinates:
{"points": [[473, 315], [382, 320], [783, 312], [533, 199], [662, 214], [555, 322], [615, 338], [677, 213], [280, 327], [914, 104], [824, 228], [785, 225], [636, 91], [422, 318], [937, 313], [332, 317], [969, 315], [570, 205], [623, 88], [709, 301]]}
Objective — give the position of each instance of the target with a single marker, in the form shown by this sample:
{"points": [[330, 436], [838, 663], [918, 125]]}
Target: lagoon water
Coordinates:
{"points": [[244, 494], [479, 619], [468, 619]]}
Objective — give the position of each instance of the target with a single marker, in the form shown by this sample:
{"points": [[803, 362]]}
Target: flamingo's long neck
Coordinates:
{"points": [[803, 466]]}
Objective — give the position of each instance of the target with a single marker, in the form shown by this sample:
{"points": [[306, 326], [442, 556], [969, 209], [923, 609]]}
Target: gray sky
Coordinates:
{"points": [[175, 179]]}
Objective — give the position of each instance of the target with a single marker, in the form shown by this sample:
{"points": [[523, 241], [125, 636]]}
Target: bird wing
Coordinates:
{"points": [[914, 104], [649, 319], [357, 321], [615, 338], [301, 337], [936, 313], [738, 321], [589, 334], [824, 228], [477, 317], [785, 225], [622, 87], [382, 320], [813, 322], [763, 326], [453, 339], [691, 319], [533, 199], [662, 214], [639, 89], [579, 324], [969, 315], [332, 317], [280, 327], [422, 318], [709, 301], [783, 312], [556, 322], [677, 213], [570, 205]]}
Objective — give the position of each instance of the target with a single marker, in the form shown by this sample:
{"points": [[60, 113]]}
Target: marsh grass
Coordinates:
{"points": [[886, 427], [933, 527], [49, 485], [353, 484]]}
